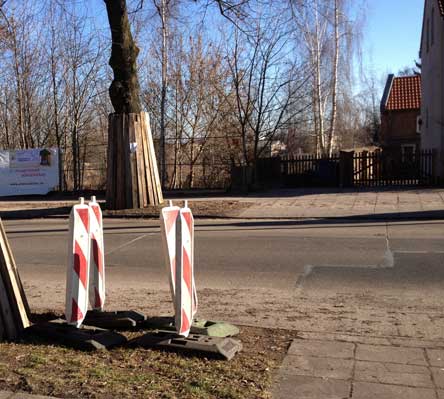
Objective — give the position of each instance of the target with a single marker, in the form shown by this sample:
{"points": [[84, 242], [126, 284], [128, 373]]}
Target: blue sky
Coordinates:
{"points": [[392, 34]]}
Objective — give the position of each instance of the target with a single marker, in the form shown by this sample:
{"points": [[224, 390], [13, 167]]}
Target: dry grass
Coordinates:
{"points": [[36, 367], [201, 209]]}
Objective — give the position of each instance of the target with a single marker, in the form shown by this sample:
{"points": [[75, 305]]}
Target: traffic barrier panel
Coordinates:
{"points": [[177, 232], [184, 276], [168, 224], [97, 257], [188, 216], [77, 275]]}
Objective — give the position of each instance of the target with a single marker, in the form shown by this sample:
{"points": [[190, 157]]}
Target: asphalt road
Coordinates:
{"points": [[234, 253], [291, 274]]}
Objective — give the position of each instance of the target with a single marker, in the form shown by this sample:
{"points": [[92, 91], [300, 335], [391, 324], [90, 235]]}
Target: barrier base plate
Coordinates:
{"points": [[83, 338], [202, 327], [218, 347], [119, 320]]}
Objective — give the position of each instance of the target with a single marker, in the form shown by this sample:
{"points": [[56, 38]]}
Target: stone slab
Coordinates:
{"points": [[302, 387], [340, 369], [386, 354], [438, 376], [436, 357], [344, 338], [331, 349], [392, 373], [366, 390]]}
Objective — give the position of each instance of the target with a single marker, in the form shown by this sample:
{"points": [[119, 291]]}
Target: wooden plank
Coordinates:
{"points": [[2, 329], [120, 167], [132, 178], [12, 283], [127, 162], [110, 172], [14, 269], [148, 162], [141, 175], [149, 137], [9, 324]]}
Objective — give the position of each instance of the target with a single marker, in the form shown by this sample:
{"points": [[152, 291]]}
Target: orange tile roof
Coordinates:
{"points": [[405, 93]]}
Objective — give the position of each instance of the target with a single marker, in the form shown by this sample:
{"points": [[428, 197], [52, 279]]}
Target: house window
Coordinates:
{"points": [[418, 124], [433, 27]]}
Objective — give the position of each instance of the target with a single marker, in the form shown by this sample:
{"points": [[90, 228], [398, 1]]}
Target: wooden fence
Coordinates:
{"points": [[364, 169], [310, 170]]}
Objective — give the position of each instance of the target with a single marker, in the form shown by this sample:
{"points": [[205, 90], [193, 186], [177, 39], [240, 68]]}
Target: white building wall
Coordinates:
{"points": [[432, 104]]}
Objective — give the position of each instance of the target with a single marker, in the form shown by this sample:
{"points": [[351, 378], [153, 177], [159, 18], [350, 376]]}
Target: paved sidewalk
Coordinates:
{"points": [[304, 203], [352, 367], [324, 203]]}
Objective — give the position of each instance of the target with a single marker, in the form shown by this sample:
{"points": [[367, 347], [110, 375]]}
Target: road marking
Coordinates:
{"points": [[418, 252], [128, 243], [307, 271]]}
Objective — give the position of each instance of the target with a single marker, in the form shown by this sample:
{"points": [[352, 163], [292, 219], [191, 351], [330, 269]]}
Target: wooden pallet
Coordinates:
{"points": [[14, 308]]}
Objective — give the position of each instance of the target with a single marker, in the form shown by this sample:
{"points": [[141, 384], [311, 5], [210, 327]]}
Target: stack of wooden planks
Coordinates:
{"points": [[132, 173], [14, 309]]}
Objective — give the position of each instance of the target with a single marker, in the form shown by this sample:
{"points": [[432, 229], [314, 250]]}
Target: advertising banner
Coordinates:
{"points": [[25, 172]]}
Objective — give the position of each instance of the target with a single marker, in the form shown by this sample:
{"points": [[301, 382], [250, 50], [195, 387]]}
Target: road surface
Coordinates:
{"points": [[375, 277]]}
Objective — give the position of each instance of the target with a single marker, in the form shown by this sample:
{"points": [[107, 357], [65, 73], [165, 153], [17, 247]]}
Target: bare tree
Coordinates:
{"points": [[263, 78]]}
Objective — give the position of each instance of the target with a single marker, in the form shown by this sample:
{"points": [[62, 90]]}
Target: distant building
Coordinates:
{"points": [[432, 64], [400, 115]]}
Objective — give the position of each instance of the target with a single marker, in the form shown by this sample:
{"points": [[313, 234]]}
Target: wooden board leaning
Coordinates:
{"points": [[14, 308]]}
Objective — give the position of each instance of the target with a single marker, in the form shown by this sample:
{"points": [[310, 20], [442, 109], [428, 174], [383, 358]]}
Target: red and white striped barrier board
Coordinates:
{"points": [[188, 216], [97, 257], [77, 275], [168, 224], [177, 232]]}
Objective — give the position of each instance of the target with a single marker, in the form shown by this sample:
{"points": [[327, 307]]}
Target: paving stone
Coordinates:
{"points": [[338, 350], [301, 387], [318, 367], [347, 338], [5, 394], [392, 373], [386, 354], [416, 343], [436, 357], [367, 390], [438, 376]]}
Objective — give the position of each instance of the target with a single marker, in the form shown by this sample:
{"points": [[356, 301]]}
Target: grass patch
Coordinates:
{"points": [[43, 369], [201, 209]]}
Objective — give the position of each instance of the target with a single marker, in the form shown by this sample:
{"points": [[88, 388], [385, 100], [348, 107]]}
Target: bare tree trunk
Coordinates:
{"points": [[318, 82], [124, 90], [332, 132], [17, 73], [163, 15]]}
